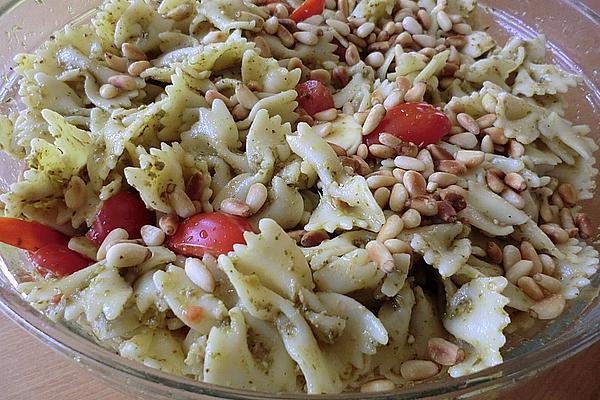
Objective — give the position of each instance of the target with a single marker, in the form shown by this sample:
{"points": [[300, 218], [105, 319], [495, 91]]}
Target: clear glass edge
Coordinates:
{"points": [[155, 383]]}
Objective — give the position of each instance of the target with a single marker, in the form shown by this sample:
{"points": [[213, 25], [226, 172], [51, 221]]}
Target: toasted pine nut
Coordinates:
{"points": [[548, 264], [121, 255], [379, 385], [463, 29], [466, 140], [313, 238], [117, 63], [136, 68], [326, 115], [123, 82], [271, 25], [342, 5], [567, 194], [377, 181], [108, 91], [394, 98], [414, 183], [412, 26], [398, 198], [168, 223], [199, 274], [75, 195], [321, 75], [471, 158], [381, 151], [409, 163], [245, 96], [339, 150], [132, 52], [181, 203], [494, 182], [352, 56], [515, 181], [212, 95], [515, 149], [152, 236], [307, 38], [373, 119], [443, 179], [425, 205], [375, 59], [549, 308], [487, 144], [510, 256], [415, 370], [215, 37], [497, 135], [584, 224], [84, 246], [180, 12], [323, 129], [112, 237], [439, 153], [396, 246], [528, 252], [519, 269], [233, 206], [365, 29], [411, 218], [486, 120], [530, 288], [382, 196], [493, 252], [256, 197], [392, 228], [457, 41], [416, 93], [468, 122], [341, 27], [285, 36], [443, 352], [555, 233], [451, 166], [380, 255], [262, 46], [444, 21]]}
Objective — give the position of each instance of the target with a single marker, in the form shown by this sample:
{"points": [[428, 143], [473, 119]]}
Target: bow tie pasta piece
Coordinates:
{"points": [[107, 293], [311, 56], [440, 247], [140, 24], [181, 294], [477, 43], [275, 259], [346, 133], [106, 19], [53, 94], [230, 361], [297, 336], [576, 267], [476, 315], [283, 104], [582, 175], [147, 295], [284, 205], [228, 15], [373, 10], [540, 79], [425, 320], [155, 348], [358, 90], [215, 133], [265, 142], [265, 74], [494, 206], [216, 57], [462, 7], [347, 201]]}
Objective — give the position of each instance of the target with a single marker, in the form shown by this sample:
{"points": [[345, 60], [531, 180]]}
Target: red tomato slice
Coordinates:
{"points": [[213, 233], [313, 97], [420, 123], [59, 260], [123, 210], [29, 235], [308, 9]]}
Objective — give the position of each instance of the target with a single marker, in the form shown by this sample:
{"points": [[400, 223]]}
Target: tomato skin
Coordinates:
{"points": [[214, 233], [60, 260], [123, 210], [307, 10], [420, 123], [314, 97], [29, 235]]}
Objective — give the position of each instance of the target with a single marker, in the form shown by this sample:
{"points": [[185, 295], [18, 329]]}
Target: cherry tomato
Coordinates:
{"points": [[213, 233], [308, 9], [313, 97], [29, 235], [123, 210], [60, 260], [420, 123]]}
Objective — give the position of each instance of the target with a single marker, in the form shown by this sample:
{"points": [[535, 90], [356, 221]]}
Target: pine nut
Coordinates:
{"points": [[117, 63], [567, 194], [340, 27], [281, 11], [108, 91], [494, 182], [256, 197], [377, 181], [444, 21], [486, 120], [121, 255], [307, 38], [271, 25], [515, 149], [326, 115], [466, 140], [487, 144], [215, 37], [528, 252], [245, 96], [338, 150], [379, 385], [470, 158], [233, 206], [285, 36], [467, 122], [262, 46], [496, 134], [374, 117], [359, 42], [394, 98], [513, 198], [381, 151], [424, 40], [382, 196], [463, 29], [123, 82], [414, 183], [515, 181], [365, 29], [212, 95], [557, 200], [415, 370], [75, 194], [548, 264], [451, 166], [549, 308], [321, 75], [416, 93], [439, 153], [510, 256], [425, 205], [375, 59], [404, 39], [132, 53], [342, 5], [493, 252], [446, 211], [136, 68], [316, 20], [584, 224], [557, 234], [392, 228], [519, 269], [457, 41], [411, 218], [443, 179], [424, 18], [112, 237], [443, 352], [152, 236], [396, 246], [84, 246], [180, 12], [412, 26], [398, 197], [530, 288], [323, 130], [181, 203], [340, 76], [409, 163], [380, 255], [168, 223], [199, 274]]}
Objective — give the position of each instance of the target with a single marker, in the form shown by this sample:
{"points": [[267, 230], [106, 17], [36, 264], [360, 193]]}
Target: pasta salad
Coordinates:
{"points": [[286, 196]]}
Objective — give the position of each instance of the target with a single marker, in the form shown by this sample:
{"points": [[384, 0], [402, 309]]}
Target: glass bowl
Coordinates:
{"points": [[572, 30]]}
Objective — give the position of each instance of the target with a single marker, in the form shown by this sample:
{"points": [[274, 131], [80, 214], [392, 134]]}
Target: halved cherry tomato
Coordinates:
{"points": [[420, 123], [213, 233], [29, 235], [308, 9], [313, 97], [60, 260], [123, 210]]}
